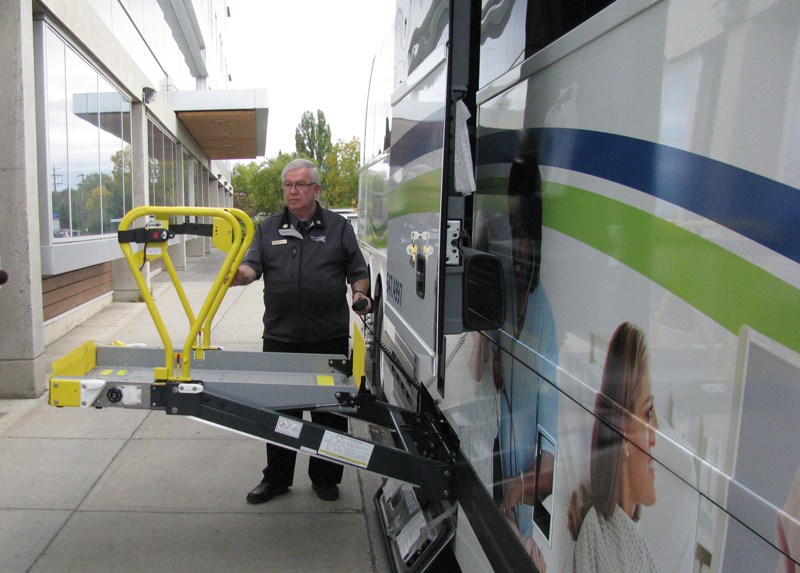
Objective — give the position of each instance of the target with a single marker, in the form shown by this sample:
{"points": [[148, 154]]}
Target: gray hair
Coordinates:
{"points": [[301, 164]]}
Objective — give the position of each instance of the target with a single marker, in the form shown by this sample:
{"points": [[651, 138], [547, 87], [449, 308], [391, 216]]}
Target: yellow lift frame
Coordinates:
{"points": [[232, 232]]}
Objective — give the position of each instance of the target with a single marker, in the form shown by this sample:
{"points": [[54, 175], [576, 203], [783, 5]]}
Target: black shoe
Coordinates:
{"points": [[326, 492], [264, 492]]}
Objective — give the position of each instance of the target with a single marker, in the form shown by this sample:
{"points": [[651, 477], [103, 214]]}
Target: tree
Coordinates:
{"points": [[96, 196], [258, 187], [242, 179], [120, 186], [341, 174], [269, 181], [313, 138]]}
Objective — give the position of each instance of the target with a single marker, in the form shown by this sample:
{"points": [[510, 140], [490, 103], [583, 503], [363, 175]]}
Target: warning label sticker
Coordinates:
{"points": [[345, 449], [288, 427]]}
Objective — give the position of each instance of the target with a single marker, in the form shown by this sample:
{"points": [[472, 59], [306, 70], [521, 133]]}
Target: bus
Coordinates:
{"points": [[634, 168]]}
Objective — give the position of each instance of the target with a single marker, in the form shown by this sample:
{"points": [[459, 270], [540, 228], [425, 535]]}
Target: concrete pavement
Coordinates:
{"points": [[135, 490]]}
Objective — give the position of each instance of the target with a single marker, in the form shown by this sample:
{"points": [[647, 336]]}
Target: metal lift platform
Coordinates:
{"points": [[250, 392]]}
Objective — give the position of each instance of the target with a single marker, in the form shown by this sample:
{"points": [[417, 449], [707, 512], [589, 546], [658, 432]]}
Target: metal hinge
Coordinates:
{"points": [[453, 247]]}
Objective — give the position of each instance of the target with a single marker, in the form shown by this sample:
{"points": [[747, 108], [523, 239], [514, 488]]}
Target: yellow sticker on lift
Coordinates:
{"points": [[359, 355], [324, 380]]}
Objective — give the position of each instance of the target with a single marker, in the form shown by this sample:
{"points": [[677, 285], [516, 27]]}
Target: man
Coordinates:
{"points": [[307, 255]]}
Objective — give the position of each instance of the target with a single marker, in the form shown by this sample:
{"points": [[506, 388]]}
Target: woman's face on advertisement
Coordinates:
{"points": [[642, 436]]}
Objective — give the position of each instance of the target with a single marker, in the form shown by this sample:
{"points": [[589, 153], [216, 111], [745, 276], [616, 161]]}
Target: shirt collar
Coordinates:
{"points": [[317, 220]]}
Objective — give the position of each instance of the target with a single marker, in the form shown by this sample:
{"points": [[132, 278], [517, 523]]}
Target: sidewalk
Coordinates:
{"points": [[135, 490]]}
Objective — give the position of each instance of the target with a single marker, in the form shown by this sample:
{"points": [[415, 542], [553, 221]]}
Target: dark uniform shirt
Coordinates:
{"points": [[306, 275]]}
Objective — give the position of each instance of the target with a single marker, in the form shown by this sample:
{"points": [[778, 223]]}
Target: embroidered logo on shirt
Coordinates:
{"points": [[320, 239], [279, 242]]}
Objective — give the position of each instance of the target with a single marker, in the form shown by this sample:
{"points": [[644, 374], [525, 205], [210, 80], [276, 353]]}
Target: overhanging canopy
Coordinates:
{"points": [[227, 124]]}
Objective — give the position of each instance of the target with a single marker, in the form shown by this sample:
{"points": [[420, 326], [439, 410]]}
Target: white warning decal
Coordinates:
{"points": [[288, 427], [344, 449]]}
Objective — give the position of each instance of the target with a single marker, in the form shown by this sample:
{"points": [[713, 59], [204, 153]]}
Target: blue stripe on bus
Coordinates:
{"points": [[424, 136], [754, 206]]}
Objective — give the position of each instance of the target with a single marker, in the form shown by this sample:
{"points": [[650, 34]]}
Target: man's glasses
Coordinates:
{"points": [[299, 186]]}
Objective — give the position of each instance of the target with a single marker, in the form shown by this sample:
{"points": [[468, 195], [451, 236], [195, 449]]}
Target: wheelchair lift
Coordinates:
{"points": [[249, 392]]}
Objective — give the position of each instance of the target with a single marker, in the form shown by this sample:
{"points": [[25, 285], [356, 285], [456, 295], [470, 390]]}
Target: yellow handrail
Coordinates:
{"points": [[247, 222], [230, 239]]}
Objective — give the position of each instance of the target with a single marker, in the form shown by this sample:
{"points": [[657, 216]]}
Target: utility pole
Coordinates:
{"points": [[56, 178], [82, 208], [56, 181]]}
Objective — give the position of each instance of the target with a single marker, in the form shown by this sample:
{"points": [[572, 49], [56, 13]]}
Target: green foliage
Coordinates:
{"points": [[242, 179], [258, 186], [78, 209], [270, 182], [341, 174], [93, 200], [313, 138]]}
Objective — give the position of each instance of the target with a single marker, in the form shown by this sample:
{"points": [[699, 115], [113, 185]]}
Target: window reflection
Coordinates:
{"points": [[155, 140], [141, 28], [188, 181], [89, 137], [198, 186], [169, 171], [57, 135], [203, 178], [84, 166], [161, 165], [123, 166]]}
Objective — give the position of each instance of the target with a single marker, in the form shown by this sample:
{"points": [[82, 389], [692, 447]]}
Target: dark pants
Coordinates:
{"points": [[280, 461]]}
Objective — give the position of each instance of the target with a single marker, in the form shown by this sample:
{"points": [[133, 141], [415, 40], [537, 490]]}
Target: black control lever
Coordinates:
{"points": [[360, 304]]}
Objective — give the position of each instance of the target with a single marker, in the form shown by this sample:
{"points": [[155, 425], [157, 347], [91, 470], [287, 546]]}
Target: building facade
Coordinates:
{"points": [[109, 105]]}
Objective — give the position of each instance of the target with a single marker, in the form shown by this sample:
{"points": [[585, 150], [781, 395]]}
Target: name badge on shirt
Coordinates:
{"points": [[279, 242]]}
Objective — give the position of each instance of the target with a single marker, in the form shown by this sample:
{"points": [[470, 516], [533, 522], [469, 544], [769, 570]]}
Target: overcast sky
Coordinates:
{"points": [[309, 55]]}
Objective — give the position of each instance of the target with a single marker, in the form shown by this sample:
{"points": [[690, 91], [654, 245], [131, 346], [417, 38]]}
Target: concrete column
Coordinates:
{"points": [[177, 254], [195, 247], [22, 365], [123, 283]]}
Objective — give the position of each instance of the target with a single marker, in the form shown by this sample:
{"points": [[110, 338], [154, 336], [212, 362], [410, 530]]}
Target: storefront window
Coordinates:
{"points": [[170, 150], [84, 166], [200, 177], [58, 171], [89, 137], [189, 178], [161, 159], [155, 141]]}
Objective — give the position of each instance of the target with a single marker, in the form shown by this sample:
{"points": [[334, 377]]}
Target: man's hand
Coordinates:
{"points": [[244, 276], [361, 303]]}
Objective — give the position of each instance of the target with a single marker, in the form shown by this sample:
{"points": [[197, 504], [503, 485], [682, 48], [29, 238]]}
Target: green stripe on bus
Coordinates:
{"points": [[422, 194], [727, 288]]}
